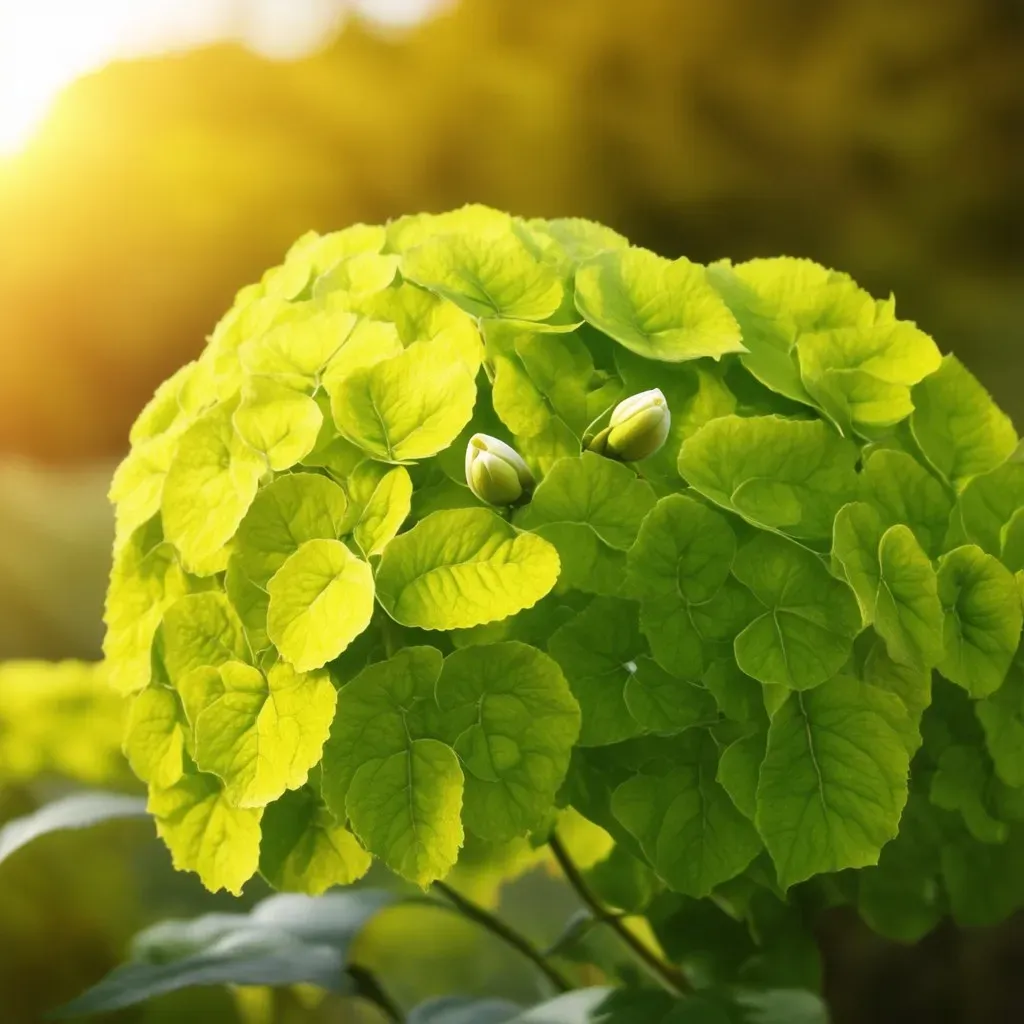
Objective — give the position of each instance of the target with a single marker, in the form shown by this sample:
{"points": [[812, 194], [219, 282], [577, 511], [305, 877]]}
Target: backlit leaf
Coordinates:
{"points": [[462, 567], [321, 599], [305, 850], [658, 308], [205, 834], [961, 431]]}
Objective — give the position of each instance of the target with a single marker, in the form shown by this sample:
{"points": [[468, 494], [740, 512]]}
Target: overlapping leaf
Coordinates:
{"points": [[590, 509], [804, 632], [660, 309], [463, 567], [781, 474]]}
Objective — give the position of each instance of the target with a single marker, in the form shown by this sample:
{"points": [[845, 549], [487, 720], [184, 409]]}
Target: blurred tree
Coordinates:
{"points": [[884, 138]]}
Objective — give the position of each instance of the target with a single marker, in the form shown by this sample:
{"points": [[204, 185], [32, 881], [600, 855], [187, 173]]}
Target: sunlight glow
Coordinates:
{"points": [[45, 44]]}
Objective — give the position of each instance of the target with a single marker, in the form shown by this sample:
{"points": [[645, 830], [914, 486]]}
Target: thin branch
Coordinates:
{"points": [[668, 976], [508, 935]]}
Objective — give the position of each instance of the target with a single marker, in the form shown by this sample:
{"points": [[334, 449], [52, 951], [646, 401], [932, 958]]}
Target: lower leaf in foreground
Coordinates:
{"points": [[285, 940], [81, 810]]}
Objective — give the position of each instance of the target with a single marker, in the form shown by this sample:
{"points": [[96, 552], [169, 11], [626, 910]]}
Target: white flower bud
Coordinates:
{"points": [[638, 427], [496, 472]]}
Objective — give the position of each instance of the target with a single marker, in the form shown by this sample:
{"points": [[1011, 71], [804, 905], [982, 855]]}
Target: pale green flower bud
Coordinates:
{"points": [[496, 472], [638, 428]]}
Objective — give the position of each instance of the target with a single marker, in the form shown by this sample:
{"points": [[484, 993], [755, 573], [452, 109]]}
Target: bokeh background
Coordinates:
{"points": [[156, 155]]}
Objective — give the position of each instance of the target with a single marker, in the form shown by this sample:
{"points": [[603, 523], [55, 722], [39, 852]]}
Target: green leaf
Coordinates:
{"points": [[597, 651], [300, 344], [739, 697], [205, 834], [409, 406], [356, 276], [295, 508], [834, 779], [662, 703], [384, 511], [1002, 718], [989, 503], [155, 736], [983, 880], [681, 559], [739, 768], [902, 491], [961, 783], [685, 821], [590, 508], [777, 302], [414, 826], [486, 275], [210, 485], [200, 630], [913, 686], [579, 237], [894, 582], [510, 716], [418, 315], [856, 535], [321, 599], [146, 579], [660, 309], [901, 898], [861, 375], [805, 633], [137, 486], [786, 475], [278, 422], [961, 431], [463, 567], [305, 850], [80, 810], [400, 789], [983, 619], [541, 377], [1012, 547], [250, 602], [260, 734], [622, 880]]}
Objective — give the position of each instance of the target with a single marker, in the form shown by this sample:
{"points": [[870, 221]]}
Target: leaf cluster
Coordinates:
{"points": [[781, 651]]}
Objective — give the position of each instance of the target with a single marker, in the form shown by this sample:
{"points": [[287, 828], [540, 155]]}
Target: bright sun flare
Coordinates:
{"points": [[46, 44]]}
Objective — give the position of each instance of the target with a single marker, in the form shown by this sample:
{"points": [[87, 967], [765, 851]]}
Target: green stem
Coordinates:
{"points": [[508, 935], [668, 976], [387, 631]]}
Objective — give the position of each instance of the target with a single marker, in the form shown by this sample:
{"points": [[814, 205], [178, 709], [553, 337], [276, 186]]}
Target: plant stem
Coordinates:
{"points": [[508, 935], [668, 976], [369, 988]]}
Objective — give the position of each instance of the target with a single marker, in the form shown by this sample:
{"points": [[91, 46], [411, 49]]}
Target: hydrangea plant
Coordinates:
{"points": [[464, 520]]}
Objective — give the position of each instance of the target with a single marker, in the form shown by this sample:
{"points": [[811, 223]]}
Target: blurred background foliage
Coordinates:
{"points": [[882, 137]]}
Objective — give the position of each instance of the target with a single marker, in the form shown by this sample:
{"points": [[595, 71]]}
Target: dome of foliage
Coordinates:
{"points": [[385, 578]]}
